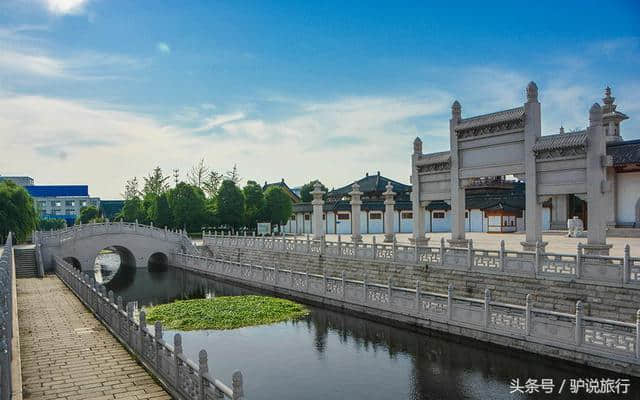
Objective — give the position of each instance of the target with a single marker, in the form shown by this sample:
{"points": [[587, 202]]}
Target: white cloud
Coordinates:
{"points": [[163, 48], [64, 7], [219, 120]]}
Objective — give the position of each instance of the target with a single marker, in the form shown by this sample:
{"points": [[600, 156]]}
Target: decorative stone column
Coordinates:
{"points": [[355, 202], [318, 225], [457, 190], [418, 211], [597, 185], [389, 204], [533, 208]]}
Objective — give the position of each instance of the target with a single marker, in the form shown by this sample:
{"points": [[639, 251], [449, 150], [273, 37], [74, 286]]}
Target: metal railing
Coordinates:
{"points": [[7, 283], [181, 376], [610, 339], [607, 270]]}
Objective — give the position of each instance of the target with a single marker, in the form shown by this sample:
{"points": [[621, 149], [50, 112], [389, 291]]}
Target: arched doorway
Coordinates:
{"points": [[158, 261], [74, 262], [110, 261]]}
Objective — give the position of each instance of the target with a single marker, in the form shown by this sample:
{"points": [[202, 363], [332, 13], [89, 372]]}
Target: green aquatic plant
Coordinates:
{"points": [[225, 312]]}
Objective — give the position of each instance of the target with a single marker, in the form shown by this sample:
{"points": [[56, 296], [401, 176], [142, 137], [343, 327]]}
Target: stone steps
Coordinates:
{"points": [[26, 266]]}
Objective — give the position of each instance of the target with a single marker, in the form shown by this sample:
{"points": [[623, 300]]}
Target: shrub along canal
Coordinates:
{"points": [[332, 355]]}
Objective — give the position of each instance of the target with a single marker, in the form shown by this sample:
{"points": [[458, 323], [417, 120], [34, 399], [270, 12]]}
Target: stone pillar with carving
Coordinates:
{"points": [[318, 203], [533, 208], [356, 202], [457, 190], [418, 210], [597, 185], [389, 213]]}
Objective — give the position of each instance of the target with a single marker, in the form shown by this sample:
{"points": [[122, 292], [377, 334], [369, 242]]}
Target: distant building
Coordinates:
{"points": [[18, 180], [295, 197], [110, 208], [61, 201]]}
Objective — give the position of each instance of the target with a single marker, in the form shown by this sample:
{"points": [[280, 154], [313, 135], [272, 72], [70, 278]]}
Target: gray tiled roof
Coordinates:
{"points": [[490, 119], [627, 152], [562, 140], [369, 184], [435, 158]]}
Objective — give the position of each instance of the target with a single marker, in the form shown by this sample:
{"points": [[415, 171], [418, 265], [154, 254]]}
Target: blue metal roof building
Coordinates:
{"points": [[58, 190]]}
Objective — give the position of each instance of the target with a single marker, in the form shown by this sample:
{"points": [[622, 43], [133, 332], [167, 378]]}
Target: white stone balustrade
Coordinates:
{"points": [[182, 377], [7, 302], [572, 333], [606, 270]]}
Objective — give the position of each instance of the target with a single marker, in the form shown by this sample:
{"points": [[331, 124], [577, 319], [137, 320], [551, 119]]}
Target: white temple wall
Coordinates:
{"points": [[376, 224], [331, 222], [476, 221], [627, 197], [406, 224]]}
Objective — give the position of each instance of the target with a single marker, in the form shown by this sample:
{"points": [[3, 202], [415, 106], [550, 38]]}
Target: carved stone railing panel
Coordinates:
{"points": [[486, 259], [560, 264]]}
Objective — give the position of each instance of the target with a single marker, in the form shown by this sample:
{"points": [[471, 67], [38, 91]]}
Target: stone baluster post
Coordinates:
{"points": [[356, 204], [339, 246], [487, 307], [203, 370], [373, 248], [442, 251], [364, 286], [418, 295], [159, 344], [324, 281], [343, 285], [450, 301], [177, 352], [527, 318], [318, 203], [130, 324], [578, 328], [238, 390], [389, 204], [389, 289], [638, 334], [578, 260], [502, 255], [626, 265], [470, 254]]}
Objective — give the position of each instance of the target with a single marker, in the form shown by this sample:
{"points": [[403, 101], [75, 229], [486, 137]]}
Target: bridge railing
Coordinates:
{"points": [[7, 303], [182, 377], [606, 270], [572, 332]]}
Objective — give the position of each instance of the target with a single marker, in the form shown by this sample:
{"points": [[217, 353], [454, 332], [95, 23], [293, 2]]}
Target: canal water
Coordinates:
{"points": [[333, 355]]}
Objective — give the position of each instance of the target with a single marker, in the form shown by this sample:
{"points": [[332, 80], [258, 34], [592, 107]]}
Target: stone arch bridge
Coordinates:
{"points": [[135, 243]]}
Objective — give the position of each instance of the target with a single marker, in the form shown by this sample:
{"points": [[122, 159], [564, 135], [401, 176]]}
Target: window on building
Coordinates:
{"points": [[324, 216], [293, 217], [70, 211], [56, 212], [375, 216], [307, 217], [438, 215], [407, 215], [70, 203], [343, 216], [466, 214]]}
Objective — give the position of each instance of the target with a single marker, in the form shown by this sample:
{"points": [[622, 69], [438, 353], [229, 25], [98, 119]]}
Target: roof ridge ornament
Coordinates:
{"points": [[456, 110], [532, 92], [417, 145]]}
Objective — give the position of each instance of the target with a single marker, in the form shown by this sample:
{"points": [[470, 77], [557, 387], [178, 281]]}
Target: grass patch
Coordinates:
{"points": [[225, 312]]}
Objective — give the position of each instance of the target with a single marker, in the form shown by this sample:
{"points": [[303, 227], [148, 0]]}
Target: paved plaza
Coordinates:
{"points": [[68, 354], [557, 242]]}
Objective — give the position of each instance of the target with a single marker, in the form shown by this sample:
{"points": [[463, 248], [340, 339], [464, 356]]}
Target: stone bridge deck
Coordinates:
{"points": [[68, 354]]}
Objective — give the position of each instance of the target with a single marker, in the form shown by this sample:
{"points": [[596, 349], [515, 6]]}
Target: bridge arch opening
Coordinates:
{"points": [[158, 261], [74, 262], [111, 260]]}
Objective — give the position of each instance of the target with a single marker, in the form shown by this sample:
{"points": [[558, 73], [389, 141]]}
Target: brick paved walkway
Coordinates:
{"points": [[68, 354]]}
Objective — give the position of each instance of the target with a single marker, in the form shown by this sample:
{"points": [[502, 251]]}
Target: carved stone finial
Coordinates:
{"points": [[532, 91], [608, 99], [203, 362], [417, 146], [236, 382], [561, 130], [177, 343], [456, 109]]}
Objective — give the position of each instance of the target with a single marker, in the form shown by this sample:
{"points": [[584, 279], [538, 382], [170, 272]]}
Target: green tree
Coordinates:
{"points": [[212, 183], [307, 188], [132, 210], [278, 206], [88, 214], [187, 204], [233, 175], [198, 174], [131, 189], [52, 223], [230, 204], [160, 213], [148, 201], [156, 183], [17, 213], [254, 203]]}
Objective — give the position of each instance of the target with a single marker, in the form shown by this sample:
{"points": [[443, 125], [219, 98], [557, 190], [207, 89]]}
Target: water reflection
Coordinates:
{"points": [[330, 354]]}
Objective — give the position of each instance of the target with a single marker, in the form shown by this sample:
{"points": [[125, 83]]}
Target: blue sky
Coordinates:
{"points": [[99, 91]]}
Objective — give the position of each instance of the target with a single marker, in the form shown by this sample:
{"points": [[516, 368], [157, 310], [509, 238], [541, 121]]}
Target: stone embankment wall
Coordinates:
{"points": [[609, 302]]}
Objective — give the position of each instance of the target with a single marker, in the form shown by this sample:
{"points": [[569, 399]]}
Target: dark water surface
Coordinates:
{"points": [[333, 355]]}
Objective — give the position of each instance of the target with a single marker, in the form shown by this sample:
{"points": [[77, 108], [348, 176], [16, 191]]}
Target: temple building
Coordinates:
{"points": [[295, 198]]}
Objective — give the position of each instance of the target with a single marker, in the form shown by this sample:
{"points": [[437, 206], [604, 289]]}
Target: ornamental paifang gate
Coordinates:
{"points": [[509, 142]]}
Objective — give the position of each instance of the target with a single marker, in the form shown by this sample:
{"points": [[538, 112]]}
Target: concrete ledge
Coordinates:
{"points": [[16, 365]]}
